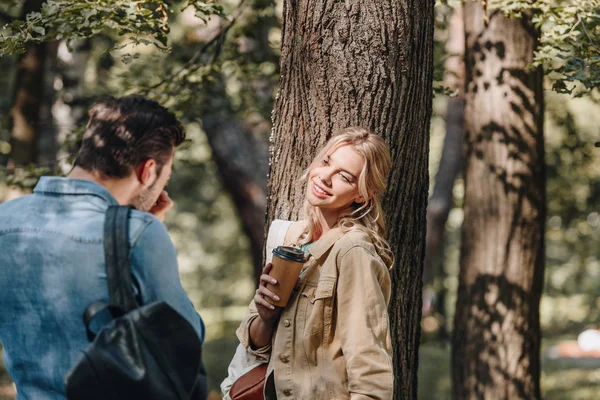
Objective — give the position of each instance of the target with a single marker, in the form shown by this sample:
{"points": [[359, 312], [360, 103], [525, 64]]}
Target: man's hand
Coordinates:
{"points": [[162, 205]]}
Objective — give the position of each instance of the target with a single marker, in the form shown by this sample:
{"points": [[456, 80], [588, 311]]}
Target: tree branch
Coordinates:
{"points": [[218, 39], [580, 21]]}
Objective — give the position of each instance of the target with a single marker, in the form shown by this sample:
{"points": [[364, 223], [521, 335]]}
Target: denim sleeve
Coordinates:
{"points": [[154, 268]]}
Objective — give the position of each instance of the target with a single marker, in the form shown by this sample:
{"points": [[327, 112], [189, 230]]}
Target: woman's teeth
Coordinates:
{"points": [[318, 189]]}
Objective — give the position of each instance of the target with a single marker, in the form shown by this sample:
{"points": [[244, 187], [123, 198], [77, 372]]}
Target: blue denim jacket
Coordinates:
{"points": [[52, 266]]}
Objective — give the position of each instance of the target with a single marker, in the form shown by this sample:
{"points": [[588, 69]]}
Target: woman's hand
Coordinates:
{"points": [[261, 328], [267, 312]]}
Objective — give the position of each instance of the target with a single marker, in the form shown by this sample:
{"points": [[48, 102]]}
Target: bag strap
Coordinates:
{"points": [[116, 253], [276, 236]]}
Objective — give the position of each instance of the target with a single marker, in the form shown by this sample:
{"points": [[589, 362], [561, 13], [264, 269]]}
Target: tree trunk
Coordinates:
{"points": [[27, 99], [441, 199], [73, 102], [368, 63], [239, 143], [47, 133], [241, 160], [496, 341]]}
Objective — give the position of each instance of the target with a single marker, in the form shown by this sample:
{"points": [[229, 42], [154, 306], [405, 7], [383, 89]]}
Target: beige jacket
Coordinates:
{"points": [[333, 338]]}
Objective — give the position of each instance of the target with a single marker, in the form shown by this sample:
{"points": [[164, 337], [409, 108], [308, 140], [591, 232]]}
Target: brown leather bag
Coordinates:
{"points": [[250, 385]]}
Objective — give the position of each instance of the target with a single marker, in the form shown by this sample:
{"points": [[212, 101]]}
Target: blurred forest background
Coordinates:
{"points": [[216, 64]]}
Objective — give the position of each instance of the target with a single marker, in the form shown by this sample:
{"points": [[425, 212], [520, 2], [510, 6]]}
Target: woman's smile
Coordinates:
{"points": [[332, 182], [319, 191]]}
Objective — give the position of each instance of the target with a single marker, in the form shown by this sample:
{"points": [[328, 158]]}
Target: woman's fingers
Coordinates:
{"points": [[262, 290], [259, 300], [264, 279], [267, 268]]}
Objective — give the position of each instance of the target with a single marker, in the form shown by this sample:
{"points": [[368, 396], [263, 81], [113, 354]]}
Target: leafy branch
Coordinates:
{"points": [[143, 21], [569, 48], [192, 64]]}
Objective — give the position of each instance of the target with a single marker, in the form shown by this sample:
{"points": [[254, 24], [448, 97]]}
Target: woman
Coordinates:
{"points": [[332, 340]]}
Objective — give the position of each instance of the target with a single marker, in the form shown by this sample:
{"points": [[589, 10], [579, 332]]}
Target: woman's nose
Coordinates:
{"points": [[325, 176]]}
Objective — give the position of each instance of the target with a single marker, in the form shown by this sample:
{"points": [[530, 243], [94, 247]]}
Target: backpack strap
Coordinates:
{"points": [[116, 253], [276, 236]]}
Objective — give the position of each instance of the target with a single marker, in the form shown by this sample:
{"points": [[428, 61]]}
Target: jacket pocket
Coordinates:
{"points": [[320, 309], [323, 291]]}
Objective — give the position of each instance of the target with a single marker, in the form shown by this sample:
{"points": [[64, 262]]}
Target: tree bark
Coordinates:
{"points": [[27, 99], [368, 63], [496, 343]]}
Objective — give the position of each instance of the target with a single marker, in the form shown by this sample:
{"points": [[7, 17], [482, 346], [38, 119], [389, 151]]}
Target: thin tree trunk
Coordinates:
{"points": [[496, 343], [27, 99], [48, 143], [73, 103], [239, 145], [441, 199], [241, 159], [368, 63]]}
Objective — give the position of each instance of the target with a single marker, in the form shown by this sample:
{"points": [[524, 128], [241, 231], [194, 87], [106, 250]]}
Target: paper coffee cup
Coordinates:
{"points": [[287, 263]]}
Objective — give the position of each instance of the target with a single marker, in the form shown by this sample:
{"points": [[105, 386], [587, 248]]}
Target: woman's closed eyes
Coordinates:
{"points": [[347, 179]]}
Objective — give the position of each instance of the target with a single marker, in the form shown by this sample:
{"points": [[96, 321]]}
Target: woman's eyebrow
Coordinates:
{"points": [[346, 171]]}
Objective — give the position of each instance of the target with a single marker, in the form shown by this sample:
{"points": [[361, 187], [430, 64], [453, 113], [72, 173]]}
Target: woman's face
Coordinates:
{"points": [[333, 183]]}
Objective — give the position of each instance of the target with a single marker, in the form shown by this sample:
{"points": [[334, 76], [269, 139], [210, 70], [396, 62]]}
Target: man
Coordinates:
{"points": [[51, 242]]}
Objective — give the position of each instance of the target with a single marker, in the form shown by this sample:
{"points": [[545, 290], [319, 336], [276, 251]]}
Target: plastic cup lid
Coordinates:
{"points": [[289, 253]]}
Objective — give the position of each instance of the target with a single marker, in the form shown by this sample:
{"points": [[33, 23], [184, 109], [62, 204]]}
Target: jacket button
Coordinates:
{"points": [[287, 392], [287, 323], [284, 359]]}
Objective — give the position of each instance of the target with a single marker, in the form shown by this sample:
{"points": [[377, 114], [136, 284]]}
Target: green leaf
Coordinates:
{"points": [[39, 29]]}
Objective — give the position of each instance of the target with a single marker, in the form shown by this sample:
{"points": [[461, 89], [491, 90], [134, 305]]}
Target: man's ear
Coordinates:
{"points": [[146, 172]]}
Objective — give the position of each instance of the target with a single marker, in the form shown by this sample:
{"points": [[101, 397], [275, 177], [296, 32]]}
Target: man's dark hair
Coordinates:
{"points": [[123, 132]]}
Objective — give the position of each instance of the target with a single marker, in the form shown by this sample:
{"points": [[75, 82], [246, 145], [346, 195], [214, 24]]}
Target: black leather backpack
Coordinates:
{"points": [[137, 352]]}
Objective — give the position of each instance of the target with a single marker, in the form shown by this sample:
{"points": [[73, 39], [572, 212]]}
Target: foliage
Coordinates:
{"points": [[573, 230], [141, 21], [569, 47], [26, 178]]}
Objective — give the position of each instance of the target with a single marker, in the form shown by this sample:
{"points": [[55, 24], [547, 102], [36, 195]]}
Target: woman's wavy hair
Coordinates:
{"points": [[372, 182]]}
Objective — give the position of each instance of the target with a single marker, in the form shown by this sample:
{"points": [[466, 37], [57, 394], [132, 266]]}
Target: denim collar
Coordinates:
{"points": [[68, 186]]}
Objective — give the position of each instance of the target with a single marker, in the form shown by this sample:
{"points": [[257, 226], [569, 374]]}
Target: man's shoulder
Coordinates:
{"points": [[139, 220], [13, 211], [151, 245], [143, 224], [12, 204]]}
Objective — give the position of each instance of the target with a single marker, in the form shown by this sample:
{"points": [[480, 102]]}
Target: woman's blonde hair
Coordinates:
{"points": [[372, 182]]}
